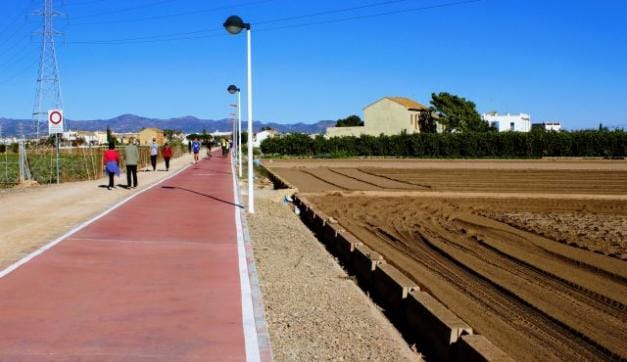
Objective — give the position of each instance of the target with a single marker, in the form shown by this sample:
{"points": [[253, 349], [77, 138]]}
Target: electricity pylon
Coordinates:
{"points": [[48, 94]]}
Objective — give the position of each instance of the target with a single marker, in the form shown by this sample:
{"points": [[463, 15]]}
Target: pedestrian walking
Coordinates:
{"points": [[131, 156], [224, 146], [189, 146], [111, 161], [154, 152], [167, 154], [196, 149]]}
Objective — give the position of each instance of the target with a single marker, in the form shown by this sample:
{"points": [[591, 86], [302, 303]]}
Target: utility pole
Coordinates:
{"points": [[48, 95]]}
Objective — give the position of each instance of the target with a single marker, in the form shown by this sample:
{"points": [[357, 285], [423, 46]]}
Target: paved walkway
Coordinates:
{"points": [[157, 278]]}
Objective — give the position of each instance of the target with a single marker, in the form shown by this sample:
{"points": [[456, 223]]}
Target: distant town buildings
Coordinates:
{"points": [[263, 135], [91, 138], [147, 134], [388, 116], [549, 126], [508, 122], [125, 138]]}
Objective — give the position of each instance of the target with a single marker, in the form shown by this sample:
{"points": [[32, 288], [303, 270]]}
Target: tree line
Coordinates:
{"points": [[535, 144]]}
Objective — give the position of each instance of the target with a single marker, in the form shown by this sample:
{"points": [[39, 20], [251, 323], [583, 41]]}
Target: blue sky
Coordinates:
{"points": [[557, 60]]}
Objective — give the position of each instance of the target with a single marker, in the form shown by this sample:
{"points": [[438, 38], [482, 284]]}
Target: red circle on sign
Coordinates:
{"points": [[56, 117]]}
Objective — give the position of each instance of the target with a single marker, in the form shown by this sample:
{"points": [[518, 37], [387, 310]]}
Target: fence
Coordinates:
{"points": [[75, 164]]}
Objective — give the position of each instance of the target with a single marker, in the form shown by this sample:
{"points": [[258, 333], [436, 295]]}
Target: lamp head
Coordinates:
{"points": [[234, 24], [232, 89]]}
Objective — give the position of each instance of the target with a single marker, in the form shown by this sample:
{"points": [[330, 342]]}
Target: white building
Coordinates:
{"points": [[508, 122], [69, 135], [551, 126], [261, 136]]}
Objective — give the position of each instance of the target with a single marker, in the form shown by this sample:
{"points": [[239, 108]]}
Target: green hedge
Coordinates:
{"points": [[456, 145]]}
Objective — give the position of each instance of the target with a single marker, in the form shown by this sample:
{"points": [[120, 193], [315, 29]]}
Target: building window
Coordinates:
{"points": [[511, 126]]}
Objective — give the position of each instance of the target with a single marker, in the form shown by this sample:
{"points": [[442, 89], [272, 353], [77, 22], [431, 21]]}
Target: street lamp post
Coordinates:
{"points": [[234, 89], [234, 25]]}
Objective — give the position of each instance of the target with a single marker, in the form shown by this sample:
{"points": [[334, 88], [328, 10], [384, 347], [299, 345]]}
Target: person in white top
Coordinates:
{"points": [[154, 152]]}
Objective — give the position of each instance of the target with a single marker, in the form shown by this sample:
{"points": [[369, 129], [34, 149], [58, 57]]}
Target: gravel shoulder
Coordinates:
{"points": [[314, 310]]}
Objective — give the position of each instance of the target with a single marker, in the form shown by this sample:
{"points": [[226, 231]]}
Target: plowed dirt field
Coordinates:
{"points": [[531, 254]]}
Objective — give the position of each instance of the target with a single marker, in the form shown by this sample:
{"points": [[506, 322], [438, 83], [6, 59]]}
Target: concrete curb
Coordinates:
{"points": [[420, 317], [477, 348]]}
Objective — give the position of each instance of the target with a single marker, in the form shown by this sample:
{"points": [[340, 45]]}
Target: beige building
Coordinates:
{"points": [[91, 138], [388, 116], [125, 138], [101, 137], [147, 134]]}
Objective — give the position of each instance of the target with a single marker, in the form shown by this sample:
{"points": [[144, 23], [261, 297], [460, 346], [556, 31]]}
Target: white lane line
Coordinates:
{"points": [[248, 318], [54, 242]]}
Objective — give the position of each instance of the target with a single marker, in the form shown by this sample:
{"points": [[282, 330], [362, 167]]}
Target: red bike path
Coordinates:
{"points": [[157, 278]]}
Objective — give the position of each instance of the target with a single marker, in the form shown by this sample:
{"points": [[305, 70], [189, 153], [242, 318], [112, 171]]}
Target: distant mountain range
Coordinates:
{"points": [[133, 123]]}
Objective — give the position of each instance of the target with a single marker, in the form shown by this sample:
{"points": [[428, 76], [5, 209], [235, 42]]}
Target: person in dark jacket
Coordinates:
{"points": [[111, 161], [167, 154]]}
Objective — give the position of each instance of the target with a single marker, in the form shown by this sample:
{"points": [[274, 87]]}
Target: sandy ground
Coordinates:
{"points": [[448, 179], [475, 264], [552, 164], [35, 215], [315, 312], [506, 245]]}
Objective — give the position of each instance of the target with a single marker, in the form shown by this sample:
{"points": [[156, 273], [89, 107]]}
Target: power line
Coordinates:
{"points": [[11, 60], [180, 14], [329, 12], [124, 10], [13, 34], [113, 42], [164, 37], [358, 17], [184, 35], [19, 72], [80, 3], [24, 12]]}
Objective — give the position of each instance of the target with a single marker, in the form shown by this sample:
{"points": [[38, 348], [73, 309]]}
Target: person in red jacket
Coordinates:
{"points": [[111, 161], [167, 154]]}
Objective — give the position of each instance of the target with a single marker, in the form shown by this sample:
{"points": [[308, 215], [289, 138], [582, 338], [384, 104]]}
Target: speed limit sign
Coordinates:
{"points": [[55, 121]]}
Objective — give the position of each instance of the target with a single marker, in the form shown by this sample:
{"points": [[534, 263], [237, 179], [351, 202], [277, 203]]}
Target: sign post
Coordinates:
{"points": [[55, 126]]}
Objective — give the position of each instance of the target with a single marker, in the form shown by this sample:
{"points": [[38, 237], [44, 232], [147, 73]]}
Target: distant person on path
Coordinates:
{"points": [[189, 146], [154, 152], [131, 156], [225, 146], [111, 161], [196, 149], [167, 154]]}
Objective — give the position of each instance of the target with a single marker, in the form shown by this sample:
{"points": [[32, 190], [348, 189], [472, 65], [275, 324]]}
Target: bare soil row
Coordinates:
{"points": [[321, 179], [519, 270]]}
